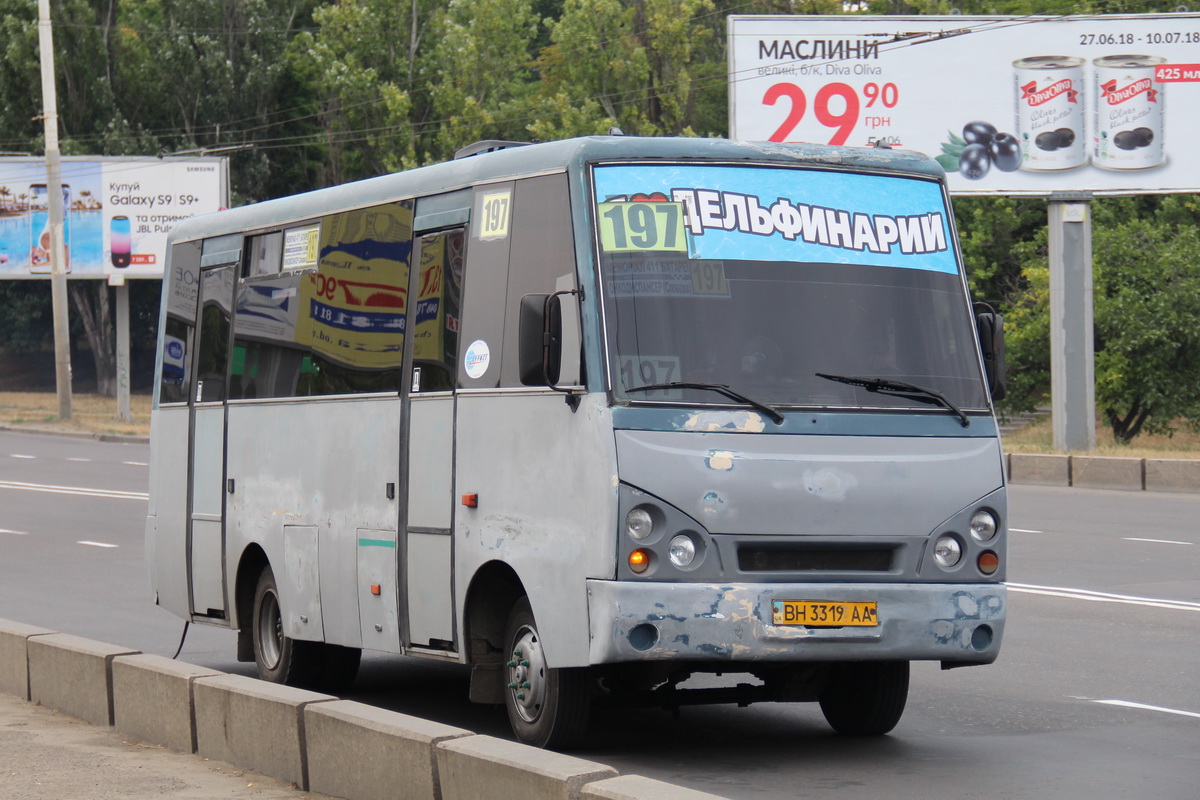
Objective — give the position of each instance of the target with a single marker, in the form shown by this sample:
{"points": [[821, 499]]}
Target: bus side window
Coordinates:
{"points": [[437, 311], [267, 360], [542, 261], [353, 311], [212, 353], [179, 325]]}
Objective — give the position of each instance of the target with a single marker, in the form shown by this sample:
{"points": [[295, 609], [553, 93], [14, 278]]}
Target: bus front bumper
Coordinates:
{"points": [[635, 621]]}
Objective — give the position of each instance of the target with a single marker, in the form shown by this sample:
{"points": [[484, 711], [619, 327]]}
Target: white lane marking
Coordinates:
{"points": [[19, 455], [78, 490], [1104, 597], [1153, 541], [1023, 530], [135, 463], [1144, 707], [14, 533], [97, 544], [86, 460]]}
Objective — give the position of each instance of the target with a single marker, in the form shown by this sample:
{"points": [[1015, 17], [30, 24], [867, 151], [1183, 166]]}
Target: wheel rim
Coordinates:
{"points": [[270, 630], [527, 674]]}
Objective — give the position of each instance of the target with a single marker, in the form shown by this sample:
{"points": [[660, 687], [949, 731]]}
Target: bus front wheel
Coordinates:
{"points": [[547, 706], [865, 698]]}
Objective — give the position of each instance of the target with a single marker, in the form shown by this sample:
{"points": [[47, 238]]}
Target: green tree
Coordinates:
{"points": [[1146, 257], [357, 70], [640, 64], [479, 73], [209, 74], [994, 233], [1147, 306]]}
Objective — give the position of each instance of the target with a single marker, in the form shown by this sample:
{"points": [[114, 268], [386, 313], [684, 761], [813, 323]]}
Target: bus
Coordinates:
{"points": [[603, 419]]}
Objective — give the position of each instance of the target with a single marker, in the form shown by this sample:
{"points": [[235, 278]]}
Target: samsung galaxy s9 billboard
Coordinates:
{"points": [[117, 212]]}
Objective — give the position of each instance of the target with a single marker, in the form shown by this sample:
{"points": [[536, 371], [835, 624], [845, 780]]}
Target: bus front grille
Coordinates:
{"points": [[814, 558]]}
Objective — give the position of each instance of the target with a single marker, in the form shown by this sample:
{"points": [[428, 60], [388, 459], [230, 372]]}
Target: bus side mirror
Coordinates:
{"points": [[540, 334], [991, 342]]}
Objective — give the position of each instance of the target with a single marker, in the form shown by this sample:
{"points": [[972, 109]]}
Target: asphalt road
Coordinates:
{"points": [[1096, 693]]}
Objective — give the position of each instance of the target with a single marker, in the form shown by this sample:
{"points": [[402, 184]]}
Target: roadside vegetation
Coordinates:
{"points": [[302, 94], [90, 414], [1038, 437]]}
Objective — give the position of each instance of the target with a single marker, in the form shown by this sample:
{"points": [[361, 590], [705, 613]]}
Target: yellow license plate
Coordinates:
{"points": [[822, 614]]}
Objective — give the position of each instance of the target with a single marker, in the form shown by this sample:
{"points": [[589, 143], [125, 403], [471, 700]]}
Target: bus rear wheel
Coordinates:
{"points": [[547, 706], [282, 659], [865, 698]]}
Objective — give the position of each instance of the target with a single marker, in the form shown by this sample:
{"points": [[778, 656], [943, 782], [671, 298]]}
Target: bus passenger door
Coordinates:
{"points": [[206, 540], [429, 459]]}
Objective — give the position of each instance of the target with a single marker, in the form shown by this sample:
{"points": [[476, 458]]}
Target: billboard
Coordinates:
{"points": [[1007, 105], [117, 212]]}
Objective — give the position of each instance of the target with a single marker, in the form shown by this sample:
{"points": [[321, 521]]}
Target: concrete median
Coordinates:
{"points": [[314, 741], [254, 724], [1172, 475], [152, 700], [637, 787], [1043, 470], [361, 752], [483, 766], [74, 675], [1105, 472], [14, 656]]}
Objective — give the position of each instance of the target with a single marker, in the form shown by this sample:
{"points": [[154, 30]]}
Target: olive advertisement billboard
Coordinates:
{"points": [[1007, 105], [117, 212]]}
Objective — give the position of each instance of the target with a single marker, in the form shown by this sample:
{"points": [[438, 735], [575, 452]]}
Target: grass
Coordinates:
{"points": [[89, 413], [1038, 437]]}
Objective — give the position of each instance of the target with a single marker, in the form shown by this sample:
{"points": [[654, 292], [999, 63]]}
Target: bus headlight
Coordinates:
{"points": [[639, 524], [984, 526], [683, 550], [947, 552]]}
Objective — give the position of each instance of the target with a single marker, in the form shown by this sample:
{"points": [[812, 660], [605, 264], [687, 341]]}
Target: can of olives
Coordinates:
{"points": [[1128, 132], [1049, 97]]}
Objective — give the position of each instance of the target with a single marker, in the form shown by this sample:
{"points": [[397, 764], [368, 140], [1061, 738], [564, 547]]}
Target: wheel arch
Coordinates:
{"points": [[250, 566], [494, 590]]}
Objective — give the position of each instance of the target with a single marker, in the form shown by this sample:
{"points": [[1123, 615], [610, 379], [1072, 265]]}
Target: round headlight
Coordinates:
{"points": [[947, 552], [983, 526], [683, 550], [639, 524]]}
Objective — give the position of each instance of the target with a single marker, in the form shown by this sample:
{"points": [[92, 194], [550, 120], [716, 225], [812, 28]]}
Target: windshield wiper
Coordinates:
{"points": [[899, 389], [720, 388]]}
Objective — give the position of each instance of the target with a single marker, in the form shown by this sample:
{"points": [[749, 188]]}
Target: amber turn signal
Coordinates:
{"points": [[988, 562], [639, 561]]}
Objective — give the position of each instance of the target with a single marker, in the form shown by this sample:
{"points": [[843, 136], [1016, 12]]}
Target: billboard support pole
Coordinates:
{"points": [[58, 251], [1072, 348], [124, 413]]}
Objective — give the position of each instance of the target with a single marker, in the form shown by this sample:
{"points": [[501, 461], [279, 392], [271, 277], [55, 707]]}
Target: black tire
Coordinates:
{"points": [[865, 698], [338, 668], [547, 707], [280, 658]]}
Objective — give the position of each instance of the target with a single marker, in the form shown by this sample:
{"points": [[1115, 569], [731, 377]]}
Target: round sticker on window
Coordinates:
{"points": [[478, 358]]}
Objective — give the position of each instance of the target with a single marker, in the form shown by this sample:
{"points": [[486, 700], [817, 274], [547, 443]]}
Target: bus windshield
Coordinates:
{"points": [[793, 288]]}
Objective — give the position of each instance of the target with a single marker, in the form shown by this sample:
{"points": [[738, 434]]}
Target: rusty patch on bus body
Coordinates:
{"points": [[720, 460], [725, 422]]}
